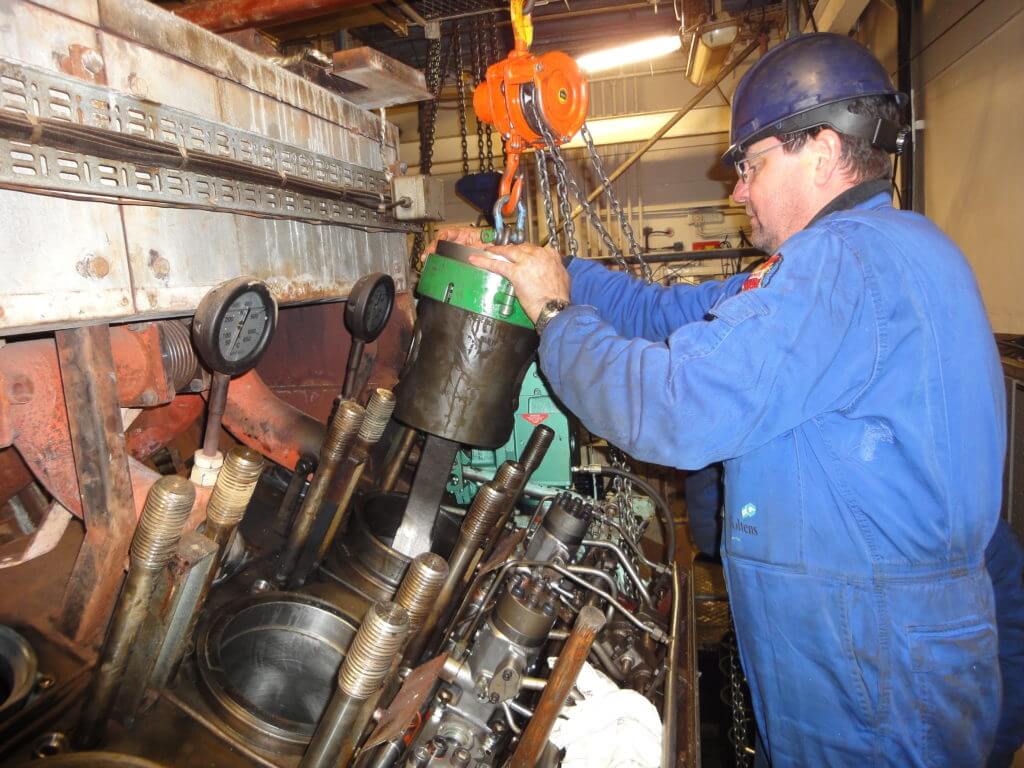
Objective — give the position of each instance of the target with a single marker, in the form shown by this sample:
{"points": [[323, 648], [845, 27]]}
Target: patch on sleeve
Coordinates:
{"points": [[761, 276]]}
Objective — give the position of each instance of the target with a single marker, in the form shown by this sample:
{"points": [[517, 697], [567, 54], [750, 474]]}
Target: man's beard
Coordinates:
{"points": [[759, 235]]}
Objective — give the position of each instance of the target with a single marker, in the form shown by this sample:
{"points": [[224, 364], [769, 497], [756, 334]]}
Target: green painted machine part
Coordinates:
{"points": [[536, 406], [457, 282]]}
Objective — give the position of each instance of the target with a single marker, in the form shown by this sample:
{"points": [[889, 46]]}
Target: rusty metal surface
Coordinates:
{"points": [[78, 261], [101, 461], [305, 362], [401, 713], [155, 427], [232, 15]]}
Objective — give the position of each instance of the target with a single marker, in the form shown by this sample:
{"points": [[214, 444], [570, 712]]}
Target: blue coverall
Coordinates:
{"points": [[854, 391], [1004, 561]]}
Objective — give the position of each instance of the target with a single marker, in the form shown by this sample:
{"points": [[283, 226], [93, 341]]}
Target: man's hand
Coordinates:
{"points": [[536, 273], [468, 236]]}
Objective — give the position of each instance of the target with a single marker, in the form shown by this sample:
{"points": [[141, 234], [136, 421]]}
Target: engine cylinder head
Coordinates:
{"points": [[163, 519], [373, 650], [235, 486], [421, 586], [378, 414]]}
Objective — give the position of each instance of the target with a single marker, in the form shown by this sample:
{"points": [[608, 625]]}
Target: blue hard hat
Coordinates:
{"points": [[805, 82]]}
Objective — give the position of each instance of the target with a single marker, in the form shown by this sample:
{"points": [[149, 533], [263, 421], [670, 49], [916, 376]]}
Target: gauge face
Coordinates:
{"points": [[242, 329], [378, 309], [233, 325], [369, 306]]}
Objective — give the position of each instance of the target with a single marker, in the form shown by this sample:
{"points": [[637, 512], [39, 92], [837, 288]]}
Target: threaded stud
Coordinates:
{"points": [[373, 649], [163, 519], [509, 476], [235, 486], [483, 514], [342, 431], [378, 414], [421, 586], [536, 447]]}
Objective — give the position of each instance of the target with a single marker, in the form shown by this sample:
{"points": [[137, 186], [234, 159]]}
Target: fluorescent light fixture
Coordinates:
{"points": [[708, 53], [631, 53]]}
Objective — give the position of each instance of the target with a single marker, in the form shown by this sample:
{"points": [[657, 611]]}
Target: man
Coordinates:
{"points": [[1004, 561], [852, 387]]}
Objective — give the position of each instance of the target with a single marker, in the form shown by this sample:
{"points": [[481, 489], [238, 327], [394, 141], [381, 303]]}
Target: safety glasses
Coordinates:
{"points": [[745, 169]]}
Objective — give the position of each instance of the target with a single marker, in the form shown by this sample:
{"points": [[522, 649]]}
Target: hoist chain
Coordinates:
{"points": [[566, 181], [428, 127], [496, 54], [460, 81], [627, 228], [735, 698], [479, 73], [544, 182]]}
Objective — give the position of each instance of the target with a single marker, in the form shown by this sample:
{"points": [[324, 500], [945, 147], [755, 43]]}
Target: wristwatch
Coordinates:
{"points": [[548, 312]]}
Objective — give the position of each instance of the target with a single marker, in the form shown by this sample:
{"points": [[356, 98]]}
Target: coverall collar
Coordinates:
{"points": [[853, 197]]}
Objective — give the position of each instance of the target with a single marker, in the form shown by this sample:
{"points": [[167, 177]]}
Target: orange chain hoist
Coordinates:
{"points": [[551, 85]]}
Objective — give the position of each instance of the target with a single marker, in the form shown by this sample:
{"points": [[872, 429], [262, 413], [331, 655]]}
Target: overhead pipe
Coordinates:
{"points": [[232, 15]]}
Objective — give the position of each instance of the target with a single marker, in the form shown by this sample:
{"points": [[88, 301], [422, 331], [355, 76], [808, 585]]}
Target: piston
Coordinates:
{"points": [[471, 347]]}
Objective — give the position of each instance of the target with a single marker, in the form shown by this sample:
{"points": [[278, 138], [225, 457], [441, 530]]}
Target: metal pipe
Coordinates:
{"points": [[344, 426], [626, 566], [669, 257], [406, 440], [792, 18], [300, 478], [376, 418], [366, 664], [563, 677], [487, 507], [669, 124], [668, 743], [156, 536], [534, 491], [215, 412], [265, 422]]}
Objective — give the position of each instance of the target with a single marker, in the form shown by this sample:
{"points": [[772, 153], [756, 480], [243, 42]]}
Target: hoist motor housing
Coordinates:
{"points": [[554, 78]]}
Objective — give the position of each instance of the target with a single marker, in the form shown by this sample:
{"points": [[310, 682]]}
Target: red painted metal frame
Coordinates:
{"points": [[231, 15]]}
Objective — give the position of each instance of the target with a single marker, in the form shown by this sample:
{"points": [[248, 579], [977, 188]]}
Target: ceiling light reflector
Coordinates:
{"points": [[631, 53]]}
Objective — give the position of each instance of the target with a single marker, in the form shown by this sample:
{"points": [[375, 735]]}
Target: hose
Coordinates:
{"points": [[650, 490]]}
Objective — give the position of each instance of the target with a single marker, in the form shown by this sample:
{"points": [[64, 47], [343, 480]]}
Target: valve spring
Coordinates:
{"points": [[483, 513], [378, 414], [373, 650], [344, 426], [538, 444], [509, 475], [235, 486], [178, 353], [163, 518], [421, 586]]}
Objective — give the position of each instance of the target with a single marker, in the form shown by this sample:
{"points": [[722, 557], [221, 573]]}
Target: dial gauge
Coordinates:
{"points": [[233, 325]]}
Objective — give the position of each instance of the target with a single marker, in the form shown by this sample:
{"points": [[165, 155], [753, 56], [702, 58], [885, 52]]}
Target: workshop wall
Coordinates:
{"points": [[972, 65]]}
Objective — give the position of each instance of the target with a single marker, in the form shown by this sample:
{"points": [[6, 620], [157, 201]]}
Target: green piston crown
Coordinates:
{"points": [[449, 278]]}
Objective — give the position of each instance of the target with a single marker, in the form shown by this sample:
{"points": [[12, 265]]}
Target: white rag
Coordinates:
{"points": [[610, 728]]}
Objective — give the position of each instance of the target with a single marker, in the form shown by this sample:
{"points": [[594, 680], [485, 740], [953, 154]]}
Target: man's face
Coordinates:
{"points": [[772, 192]]}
